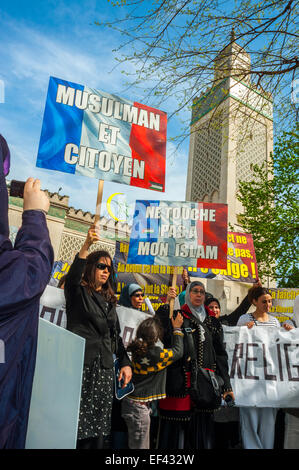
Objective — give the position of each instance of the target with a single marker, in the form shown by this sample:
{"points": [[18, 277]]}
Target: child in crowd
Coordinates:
{"points": [[149, 363]]}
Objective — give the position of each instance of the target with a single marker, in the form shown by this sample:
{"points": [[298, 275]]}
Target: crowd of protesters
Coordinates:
{"points": [[162, 411], [171, 352]]}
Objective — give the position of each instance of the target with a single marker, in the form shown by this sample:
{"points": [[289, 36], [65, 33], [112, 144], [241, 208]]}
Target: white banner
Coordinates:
{"points": [[52, 309], [263, 362], [52, 306], [264, 366], [129, 320]]}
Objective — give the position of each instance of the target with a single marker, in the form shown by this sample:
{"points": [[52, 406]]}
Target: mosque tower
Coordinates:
{"points": [[231, 129]]}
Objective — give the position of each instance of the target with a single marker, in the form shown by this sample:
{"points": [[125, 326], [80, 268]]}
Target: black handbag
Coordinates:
{"points": [[206, 386], [118, 390], [205, 390]]}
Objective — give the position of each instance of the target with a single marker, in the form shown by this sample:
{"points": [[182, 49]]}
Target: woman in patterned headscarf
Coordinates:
{"points": [[182, 425]]}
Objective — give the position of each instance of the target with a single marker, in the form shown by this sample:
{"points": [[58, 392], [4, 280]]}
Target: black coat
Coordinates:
{"points": [[211, 353], [92, 318], [232, 318]]}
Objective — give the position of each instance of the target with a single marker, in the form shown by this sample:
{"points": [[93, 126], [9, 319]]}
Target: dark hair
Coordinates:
{"points": [[186, 282], [210, 300], [255, 292], [148, 333], [88, 278]]}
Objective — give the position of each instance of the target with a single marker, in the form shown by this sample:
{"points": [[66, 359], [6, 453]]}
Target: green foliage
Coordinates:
{"points": [[271, 211], [170, 47]]}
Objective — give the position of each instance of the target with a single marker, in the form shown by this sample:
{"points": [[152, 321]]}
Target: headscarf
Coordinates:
{"points": [[198, 311], [126, 293]]}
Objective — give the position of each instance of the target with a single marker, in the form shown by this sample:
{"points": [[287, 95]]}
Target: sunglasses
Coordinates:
{"points": [[138, 295], [103, 266], [198, 291]]}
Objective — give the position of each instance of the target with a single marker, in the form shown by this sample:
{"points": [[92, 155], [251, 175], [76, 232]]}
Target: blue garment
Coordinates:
{"points": [[125, 295], [24, 273], [182, 298]]}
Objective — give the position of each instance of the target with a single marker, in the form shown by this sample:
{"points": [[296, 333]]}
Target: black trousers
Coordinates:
{"points": [[198, 433], [91, 443]]}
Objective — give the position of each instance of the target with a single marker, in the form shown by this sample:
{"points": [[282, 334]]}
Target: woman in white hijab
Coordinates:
{"points": [[182, 425]]}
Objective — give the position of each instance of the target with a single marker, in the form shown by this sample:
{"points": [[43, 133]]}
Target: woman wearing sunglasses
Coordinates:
{"points": [[91, 313], [131, 296]]}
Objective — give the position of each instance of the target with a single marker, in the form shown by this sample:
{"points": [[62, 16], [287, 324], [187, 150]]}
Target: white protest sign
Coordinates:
{"points": [[56, 390], [129, 320], [52, 309], [263, 365], [263, 362], [52, 306], [283, 303]]}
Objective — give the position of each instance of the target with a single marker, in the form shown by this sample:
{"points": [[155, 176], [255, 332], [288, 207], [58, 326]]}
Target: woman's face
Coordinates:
{"points": [[102, 272], [263, 303], [215, 308], [197, 295], [137, 299]]}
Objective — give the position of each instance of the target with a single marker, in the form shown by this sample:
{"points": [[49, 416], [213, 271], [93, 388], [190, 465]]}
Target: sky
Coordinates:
{"points": [[60, 39]]}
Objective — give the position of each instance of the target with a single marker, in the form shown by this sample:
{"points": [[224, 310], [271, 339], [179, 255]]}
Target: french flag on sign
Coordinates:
{"points": [[93, 133], [179, 234]]}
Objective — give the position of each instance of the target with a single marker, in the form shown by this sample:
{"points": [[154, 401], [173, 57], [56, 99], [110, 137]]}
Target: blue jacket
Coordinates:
{"points": [[24, 273]]}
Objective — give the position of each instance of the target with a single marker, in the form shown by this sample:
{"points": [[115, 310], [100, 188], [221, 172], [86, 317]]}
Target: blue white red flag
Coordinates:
{"points": [[179, 234], [93, 133]]}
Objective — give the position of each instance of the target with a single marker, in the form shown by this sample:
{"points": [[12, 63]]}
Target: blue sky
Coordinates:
{"points": [[59, 38]]}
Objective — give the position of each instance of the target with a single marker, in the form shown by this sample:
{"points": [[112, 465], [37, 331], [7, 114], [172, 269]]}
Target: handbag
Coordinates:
{"points": [[118, 390], [206, 386], [205, 390]]}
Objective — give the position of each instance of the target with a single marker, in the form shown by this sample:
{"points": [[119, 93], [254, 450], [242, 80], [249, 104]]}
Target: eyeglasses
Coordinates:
{"points": [[198, 291], [103, 266], [138, 295]]}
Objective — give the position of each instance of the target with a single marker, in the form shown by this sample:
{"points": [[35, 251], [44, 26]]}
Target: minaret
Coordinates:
{"points": [[231, 128]]}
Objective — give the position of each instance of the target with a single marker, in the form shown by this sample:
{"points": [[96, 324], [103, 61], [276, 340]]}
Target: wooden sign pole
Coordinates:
{"points": [[171, 302], [99, 202]]}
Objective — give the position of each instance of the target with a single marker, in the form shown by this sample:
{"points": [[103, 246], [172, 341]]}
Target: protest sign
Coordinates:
{"points": [[263, 362], [129, 320], [56, 390], [60, 268], [93, 133], [179, 234], [241, 261], [283, 300], [155, 280], [52, 309], [263, 365], [52, 306]]}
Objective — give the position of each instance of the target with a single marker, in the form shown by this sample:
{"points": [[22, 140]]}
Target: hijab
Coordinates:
{"points": [[126, 293], [198, 311]]}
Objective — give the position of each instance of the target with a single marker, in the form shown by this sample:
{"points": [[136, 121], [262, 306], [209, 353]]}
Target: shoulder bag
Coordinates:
{"points": [[206, 386]]}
